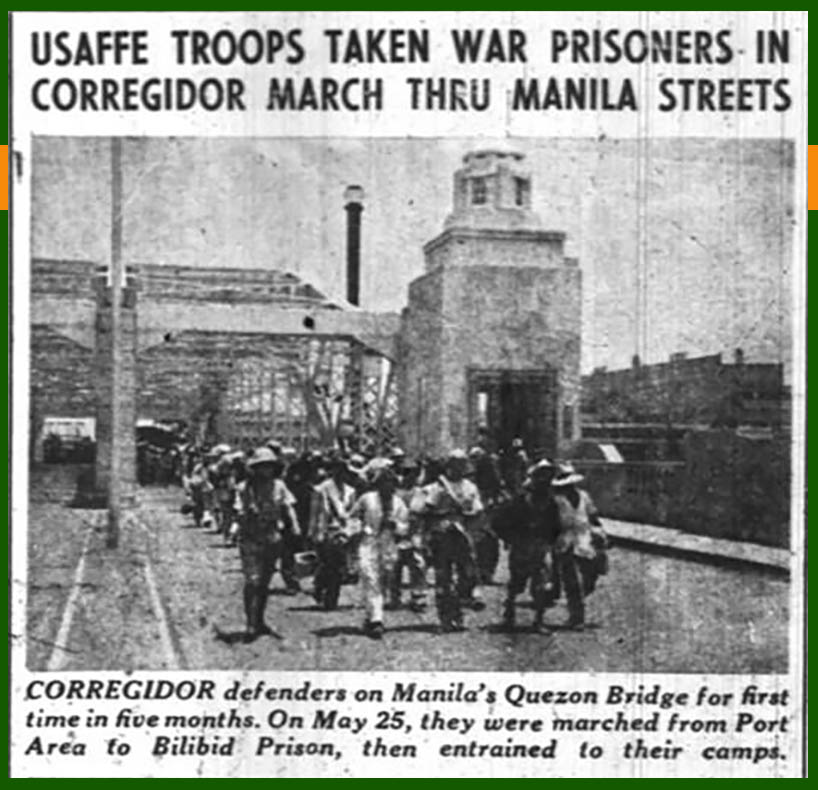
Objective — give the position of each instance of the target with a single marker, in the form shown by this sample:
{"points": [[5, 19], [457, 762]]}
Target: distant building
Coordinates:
{"points": [[656, 404], [704, 446]]}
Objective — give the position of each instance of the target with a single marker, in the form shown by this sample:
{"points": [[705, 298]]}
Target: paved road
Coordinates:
{"points": [[171, 597]]}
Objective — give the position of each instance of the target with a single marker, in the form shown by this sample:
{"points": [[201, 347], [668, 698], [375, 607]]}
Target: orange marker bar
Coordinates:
{"points": [[812, 177], [4, 171]]}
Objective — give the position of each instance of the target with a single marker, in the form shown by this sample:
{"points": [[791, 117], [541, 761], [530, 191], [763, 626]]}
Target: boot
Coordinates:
{"points": [[456, 624], [319, 584], [374, 629], [261, 627], [576, 615], [250, 610], [394, 602], [444, 613], [509, 616], [538, 626], [453, 620]]}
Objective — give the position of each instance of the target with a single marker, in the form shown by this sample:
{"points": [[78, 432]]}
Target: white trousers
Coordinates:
{"points": [[376, 560]]}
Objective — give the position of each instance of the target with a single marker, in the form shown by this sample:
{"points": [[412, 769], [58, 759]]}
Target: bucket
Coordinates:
{"points": [[305, 563]]}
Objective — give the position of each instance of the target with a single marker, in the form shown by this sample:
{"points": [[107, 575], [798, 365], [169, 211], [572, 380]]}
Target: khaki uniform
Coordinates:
{"points": [[448, 507], [263, 518]]}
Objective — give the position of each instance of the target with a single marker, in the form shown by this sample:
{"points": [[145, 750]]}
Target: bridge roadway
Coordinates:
{"points": [[170, 597]]}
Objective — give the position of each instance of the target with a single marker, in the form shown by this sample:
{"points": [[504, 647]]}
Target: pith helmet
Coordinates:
{"points": [[262, 455], [456, 456], [566, 475], [542, 467]]}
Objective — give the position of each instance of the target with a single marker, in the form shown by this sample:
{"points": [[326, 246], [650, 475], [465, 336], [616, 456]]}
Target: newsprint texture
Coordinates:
{"points": [[408, 394]]}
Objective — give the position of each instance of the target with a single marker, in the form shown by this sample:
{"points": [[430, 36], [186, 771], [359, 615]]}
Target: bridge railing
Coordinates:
{"points": [[634, 490], [734, 497]]}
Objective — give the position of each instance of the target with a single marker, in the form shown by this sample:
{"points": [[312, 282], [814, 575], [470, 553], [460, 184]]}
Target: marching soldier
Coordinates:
{"points": [[200, 490], [264, 506], [487, 478], [449, 503], [213, 459], [411, 546], [581, 545], [515, 465], [332, 501], [299, 475], [238, 461], [383, 519], [535, 521], [224, 493]]}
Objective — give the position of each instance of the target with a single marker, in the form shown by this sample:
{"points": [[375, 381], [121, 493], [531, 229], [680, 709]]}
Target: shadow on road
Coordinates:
{"points": [[414, 628], [339, 630], [242, 637], [316, 607]]}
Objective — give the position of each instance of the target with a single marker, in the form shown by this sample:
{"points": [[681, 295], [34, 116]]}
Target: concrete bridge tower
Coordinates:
{"points": [[491, 333]]}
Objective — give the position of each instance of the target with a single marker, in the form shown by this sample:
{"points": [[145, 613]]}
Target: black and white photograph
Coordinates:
{"points": [[434, 399], [445, 361]]}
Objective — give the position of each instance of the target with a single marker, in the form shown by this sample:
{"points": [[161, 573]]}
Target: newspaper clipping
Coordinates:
{"points": [[408, 394]]}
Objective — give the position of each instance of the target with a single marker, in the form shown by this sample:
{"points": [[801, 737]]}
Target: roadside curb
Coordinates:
{"points": [[698, 548]]}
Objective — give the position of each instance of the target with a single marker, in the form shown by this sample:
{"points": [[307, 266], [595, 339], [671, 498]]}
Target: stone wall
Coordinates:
{"points": [[521, 319], [486, 247], [726, 486]]}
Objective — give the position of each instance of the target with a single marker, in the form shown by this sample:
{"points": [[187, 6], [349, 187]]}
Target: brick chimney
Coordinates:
{"points": [[353, 197]]}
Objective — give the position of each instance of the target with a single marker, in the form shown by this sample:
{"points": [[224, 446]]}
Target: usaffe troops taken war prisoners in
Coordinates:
{"points": [[367, 519]]}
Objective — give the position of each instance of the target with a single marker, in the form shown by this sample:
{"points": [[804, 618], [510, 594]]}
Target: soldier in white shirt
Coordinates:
{"points": [[381, 519], [581, 545]]}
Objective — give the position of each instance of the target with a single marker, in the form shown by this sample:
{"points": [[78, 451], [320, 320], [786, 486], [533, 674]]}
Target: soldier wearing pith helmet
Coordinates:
{"points": [[580, 548], [534, 521], [264, 509]]}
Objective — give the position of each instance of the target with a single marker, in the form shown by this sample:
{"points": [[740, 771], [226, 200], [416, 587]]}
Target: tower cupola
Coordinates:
{"points": [[493, 190]]}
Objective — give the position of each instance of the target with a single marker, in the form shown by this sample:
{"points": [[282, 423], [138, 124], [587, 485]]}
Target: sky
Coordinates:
{"points": [[701, 228]]}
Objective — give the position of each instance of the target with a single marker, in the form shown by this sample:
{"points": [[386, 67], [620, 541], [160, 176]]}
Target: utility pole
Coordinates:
{"points": [[114, 483]]}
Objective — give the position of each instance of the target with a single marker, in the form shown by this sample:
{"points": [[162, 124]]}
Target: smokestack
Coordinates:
{"points": [[353, 197]]}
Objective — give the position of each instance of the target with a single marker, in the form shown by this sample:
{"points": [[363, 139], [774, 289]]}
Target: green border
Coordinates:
{"points": [[125, 5]]}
